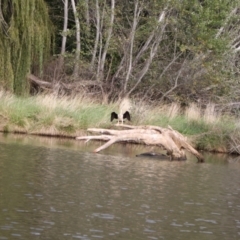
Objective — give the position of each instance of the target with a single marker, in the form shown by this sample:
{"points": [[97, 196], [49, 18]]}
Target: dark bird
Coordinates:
{"points": [[120, 117], [124, 111]]}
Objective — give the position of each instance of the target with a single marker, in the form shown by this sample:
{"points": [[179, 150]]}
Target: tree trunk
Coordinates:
{"points": [[64, 39], [167, 138], [97, 36], [78, 42], [87, 13], [109, 35], [65, 25], [137, 12], [157, 34]]}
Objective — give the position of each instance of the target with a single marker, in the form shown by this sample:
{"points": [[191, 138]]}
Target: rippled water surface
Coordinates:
{"points": [[58, 189]]}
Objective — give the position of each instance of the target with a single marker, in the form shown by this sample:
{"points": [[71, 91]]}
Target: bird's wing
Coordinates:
{"points": [[113, 116], [127, 116]]}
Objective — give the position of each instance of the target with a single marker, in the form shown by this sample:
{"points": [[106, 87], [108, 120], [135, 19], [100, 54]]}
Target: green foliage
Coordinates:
{"points": [[213, 141], [92, 115], [199, 22], [45, 120], [25, 42], [190, 30], [6, 129], [22, 110], [192, 127]]}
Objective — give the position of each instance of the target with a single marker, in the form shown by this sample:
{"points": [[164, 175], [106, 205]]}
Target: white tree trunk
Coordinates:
{"points": [[145, 47], [87, 13], [3, 23], [97, 35], [137, 12], [65, 25], [64, 41], [127, 68], [109, 35], [153, 51], [78, 41]]}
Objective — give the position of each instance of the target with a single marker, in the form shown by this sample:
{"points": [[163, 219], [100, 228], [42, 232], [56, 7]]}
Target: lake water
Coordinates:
{"points": [[58, 189]]}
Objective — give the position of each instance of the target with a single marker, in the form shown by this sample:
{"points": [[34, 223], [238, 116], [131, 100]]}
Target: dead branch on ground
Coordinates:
{"points": [[169, 139]]}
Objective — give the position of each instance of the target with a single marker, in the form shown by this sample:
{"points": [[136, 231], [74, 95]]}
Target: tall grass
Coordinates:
{"points": [[48, 114], [71, 116], [206, 128]]}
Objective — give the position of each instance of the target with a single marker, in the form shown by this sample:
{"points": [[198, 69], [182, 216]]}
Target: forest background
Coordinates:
{"points": [[156, 52], [162, 50]]}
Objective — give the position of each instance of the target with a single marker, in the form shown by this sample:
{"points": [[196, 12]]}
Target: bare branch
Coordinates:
{"points": [[132, 35], [175, 83], [221, 30], [151, 36], [152, 53]]}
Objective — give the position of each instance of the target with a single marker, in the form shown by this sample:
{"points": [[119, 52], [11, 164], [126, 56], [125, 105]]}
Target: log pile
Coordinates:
{"points": [[169, 139]]}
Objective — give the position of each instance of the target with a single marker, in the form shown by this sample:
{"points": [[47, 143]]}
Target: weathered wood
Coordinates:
{"points": [[172, 141], [69, 86]]}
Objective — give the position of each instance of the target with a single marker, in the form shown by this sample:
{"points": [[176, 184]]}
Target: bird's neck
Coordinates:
{"points": [[120, 115]]}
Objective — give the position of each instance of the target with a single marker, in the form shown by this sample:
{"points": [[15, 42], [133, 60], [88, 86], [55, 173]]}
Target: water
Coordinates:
{"points": [[59, 189]]}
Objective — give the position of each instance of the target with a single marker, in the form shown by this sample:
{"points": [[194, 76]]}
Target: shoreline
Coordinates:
{"points": [[71, 116], [84, 133]]}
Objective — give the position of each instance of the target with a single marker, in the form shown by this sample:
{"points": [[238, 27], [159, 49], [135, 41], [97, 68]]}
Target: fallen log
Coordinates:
{"points": [[61, 85], [169, 139]]}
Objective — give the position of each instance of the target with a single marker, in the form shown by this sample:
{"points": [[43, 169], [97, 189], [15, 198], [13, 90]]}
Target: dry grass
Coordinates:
{"points": [[173, 110], [48, 113], [210, 114], [193, 112], [70, 116], [52, 102], [140, 113]]}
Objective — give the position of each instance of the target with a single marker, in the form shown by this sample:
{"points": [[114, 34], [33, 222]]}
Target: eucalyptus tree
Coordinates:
{"points": [[25, 41]]}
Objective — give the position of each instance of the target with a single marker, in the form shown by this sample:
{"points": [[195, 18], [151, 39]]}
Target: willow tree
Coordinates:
{"points": [[25, 40]]}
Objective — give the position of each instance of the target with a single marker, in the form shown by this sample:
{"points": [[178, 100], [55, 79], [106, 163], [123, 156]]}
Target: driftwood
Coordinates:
{"points": [[65, 86], [169, 139]]}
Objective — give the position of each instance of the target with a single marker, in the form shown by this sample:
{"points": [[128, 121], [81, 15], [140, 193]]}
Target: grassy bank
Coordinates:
{"points": [[71, 116]]}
